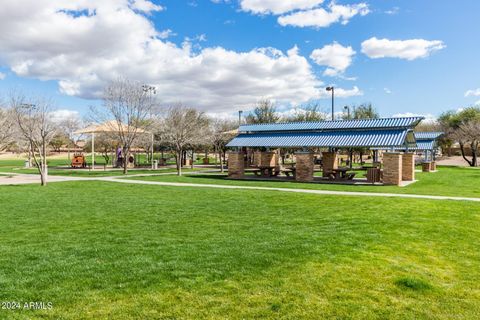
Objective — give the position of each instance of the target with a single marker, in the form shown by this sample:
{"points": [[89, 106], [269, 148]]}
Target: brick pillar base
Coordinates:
{"points": [[392, 168], [304, 167], [329, 162], [433, 166], [426, 166], [269, 159], [236, 165], [408, 167]]}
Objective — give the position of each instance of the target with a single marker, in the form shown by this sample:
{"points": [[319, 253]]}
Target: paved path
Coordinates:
{"points": [[13, 179], [322, 192]]}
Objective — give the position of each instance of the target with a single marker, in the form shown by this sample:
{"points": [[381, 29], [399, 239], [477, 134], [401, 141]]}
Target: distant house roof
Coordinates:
{"points": [[382, 123], [379, 133]]}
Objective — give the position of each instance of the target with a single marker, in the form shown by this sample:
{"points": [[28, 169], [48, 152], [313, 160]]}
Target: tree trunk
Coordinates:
{"points": [[462, 149], [474, 147], [43, 178], [43, 171], [125, 160], [221, 162], [179, 163], [193, 158]]}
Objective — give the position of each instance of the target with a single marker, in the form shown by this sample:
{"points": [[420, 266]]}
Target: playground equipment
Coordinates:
{"points": [[78, 161]]}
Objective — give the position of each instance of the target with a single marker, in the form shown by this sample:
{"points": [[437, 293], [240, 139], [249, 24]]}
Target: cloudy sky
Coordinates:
{"points": [[417, 57]]}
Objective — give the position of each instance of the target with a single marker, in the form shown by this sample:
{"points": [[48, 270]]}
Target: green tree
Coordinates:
{"points": [[264, 112], [463, 127], [365, 111], [306, 113]]}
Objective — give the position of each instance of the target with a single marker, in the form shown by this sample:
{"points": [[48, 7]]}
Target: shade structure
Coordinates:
{"points": [[335, 139], [357, 124], [108, 127], [386, 133], [426, 141], [428, 135], [111, 126]]}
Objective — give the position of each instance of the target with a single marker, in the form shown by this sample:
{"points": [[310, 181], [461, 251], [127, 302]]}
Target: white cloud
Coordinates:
{"points": [[477, 103], [403, 49], [58, 116], [2, 75], [393, 11], [335, 56], [84, 44], [343, 93], [429, 118], [145, 6], [166, 34], [321, 17], [387, 90], [473, 93], [277, 6]]}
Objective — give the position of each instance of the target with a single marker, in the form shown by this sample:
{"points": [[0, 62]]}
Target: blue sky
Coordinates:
{"points": [[207, 54]]}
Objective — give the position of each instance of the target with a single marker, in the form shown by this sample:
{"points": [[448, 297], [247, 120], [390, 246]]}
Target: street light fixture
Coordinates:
{"points": [[347, 108], [240, 117], [147, 88], [331, 88]]}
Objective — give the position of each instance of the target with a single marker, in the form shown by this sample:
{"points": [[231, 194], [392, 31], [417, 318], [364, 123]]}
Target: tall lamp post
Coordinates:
{"points": [[347, 108], [333, 100], [239, 117], [151, 90]]}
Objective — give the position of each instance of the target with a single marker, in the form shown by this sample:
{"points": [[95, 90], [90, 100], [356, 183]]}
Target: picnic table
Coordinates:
{"points": [[268, 171], [340, 174]]}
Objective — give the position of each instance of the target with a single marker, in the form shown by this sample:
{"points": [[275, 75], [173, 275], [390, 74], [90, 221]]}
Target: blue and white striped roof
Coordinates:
{"points": [[337, 139], [383, 123], [428, 135]]}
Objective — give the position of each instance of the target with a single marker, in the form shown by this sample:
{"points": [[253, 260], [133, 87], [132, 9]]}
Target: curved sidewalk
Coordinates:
{"points": [[322, 192]]}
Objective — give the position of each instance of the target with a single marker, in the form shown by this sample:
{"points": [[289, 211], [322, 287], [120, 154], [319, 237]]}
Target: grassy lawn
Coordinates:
{"points": [[448, 181], [100, 250]]}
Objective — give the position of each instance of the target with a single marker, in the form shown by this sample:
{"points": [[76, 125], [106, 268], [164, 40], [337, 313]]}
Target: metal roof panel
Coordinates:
{"points": [[382, 123]]}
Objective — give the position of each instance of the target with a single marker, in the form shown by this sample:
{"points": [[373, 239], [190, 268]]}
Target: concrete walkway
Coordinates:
{"points": [[322, 192], [16, 179]]}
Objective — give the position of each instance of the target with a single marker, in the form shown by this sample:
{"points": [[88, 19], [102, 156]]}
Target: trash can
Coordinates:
{"points": [[155, 164], [27, 164]]}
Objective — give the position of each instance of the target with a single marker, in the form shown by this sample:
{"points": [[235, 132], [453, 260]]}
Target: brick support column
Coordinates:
{"points": [[236, 165], [433, 166], [408, 167], [426, 166], [257, 158], [392, 168], [269, 159], [329, 162], [304, 167]]}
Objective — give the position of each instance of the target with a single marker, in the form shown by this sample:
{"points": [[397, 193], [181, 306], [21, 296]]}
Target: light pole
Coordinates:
{"points": [[239, 117], [148, 89], [331, 88], [347, 108]]}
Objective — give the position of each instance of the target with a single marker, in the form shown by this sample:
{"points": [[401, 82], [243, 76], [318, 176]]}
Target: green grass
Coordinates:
{"points": [[100, 250], [448, 181]]}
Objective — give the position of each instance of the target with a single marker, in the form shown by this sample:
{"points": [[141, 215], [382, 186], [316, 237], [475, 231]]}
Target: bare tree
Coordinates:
{"points": [[309, 112], [182, 128], [7, 128], [222, 131], [69, 125], [264, 112], [127, 108], [33, 117], [463, 127]]}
